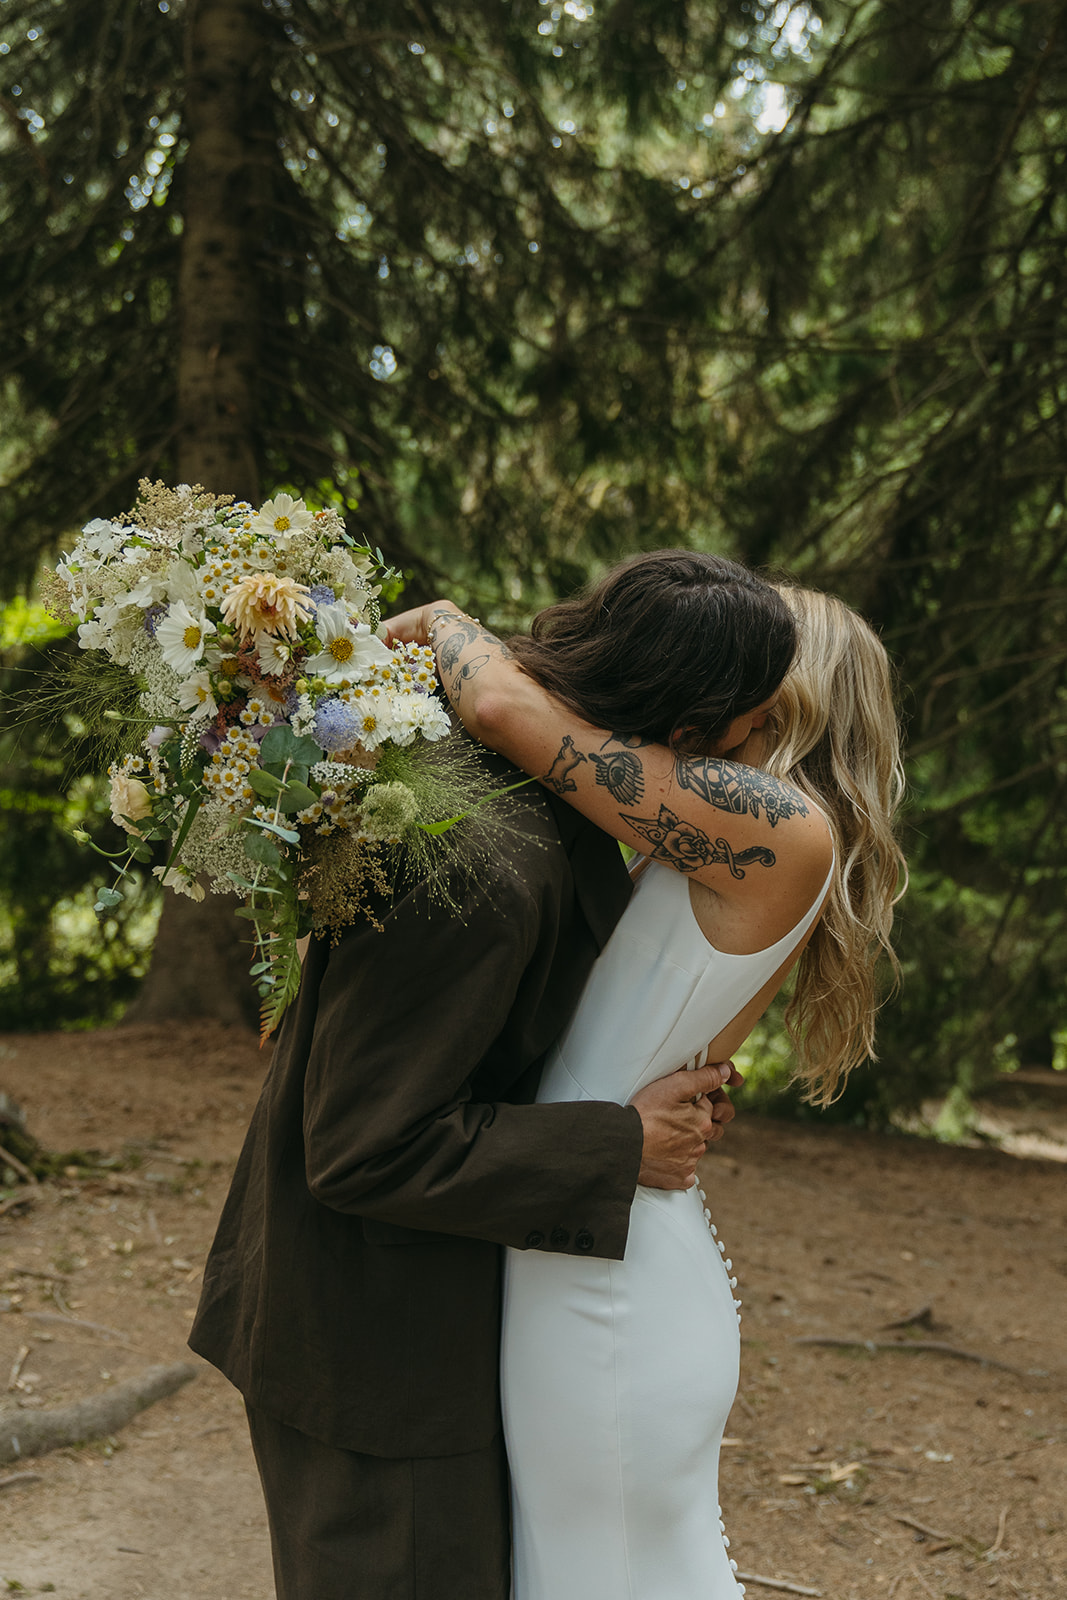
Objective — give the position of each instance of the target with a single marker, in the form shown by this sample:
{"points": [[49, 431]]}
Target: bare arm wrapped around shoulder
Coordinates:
{"points": [[745, 835]]}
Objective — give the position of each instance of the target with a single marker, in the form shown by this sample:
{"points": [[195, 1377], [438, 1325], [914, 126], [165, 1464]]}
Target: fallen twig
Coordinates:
{"points": [[776, 1583], [34, 1433], [923, 1318], [61, 1305], [75, 1322], [16, 1368], [1001, 1525], [918, 1346], [15, 1200], [921, 1581], [19, 1477], [25, 1173], [931, 1533]]}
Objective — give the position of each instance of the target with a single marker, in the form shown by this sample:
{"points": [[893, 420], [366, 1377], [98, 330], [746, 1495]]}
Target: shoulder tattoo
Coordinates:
{"points": [[688, 848], [729, 786]]}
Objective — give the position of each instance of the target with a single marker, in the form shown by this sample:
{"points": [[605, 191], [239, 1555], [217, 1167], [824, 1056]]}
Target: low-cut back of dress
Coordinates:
{"points": [[618, 1376]]}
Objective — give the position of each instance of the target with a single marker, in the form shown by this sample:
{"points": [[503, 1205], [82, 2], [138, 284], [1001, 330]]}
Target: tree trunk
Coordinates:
{"points": [[199, 964], [217, 288]]}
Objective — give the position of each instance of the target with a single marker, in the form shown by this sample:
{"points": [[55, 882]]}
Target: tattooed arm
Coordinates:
{"points": [[729, 826]]}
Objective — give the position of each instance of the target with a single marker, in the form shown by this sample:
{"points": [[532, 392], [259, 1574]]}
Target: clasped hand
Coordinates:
{"points": [[680, 1116]]}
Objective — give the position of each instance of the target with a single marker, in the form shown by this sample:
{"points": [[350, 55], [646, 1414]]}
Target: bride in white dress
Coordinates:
{"points": [[618, 1376]]}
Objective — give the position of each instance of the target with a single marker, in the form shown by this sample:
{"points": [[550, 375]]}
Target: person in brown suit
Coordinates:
{"points": [[352, 1293]]}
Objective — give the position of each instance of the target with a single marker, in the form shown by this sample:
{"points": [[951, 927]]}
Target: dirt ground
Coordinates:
{"points": [[854, 1473]]}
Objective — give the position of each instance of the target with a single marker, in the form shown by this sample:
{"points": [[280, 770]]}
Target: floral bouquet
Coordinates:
{"points": [[252, 719]]}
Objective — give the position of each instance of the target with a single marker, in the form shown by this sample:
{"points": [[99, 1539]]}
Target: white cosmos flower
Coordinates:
{"points": [[195, 695], [348, 649], [280, 517], [274, 653], [181, 637], [180, 879]]}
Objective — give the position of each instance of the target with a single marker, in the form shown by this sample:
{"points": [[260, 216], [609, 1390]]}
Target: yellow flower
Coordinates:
{"points": [[264, 603]]}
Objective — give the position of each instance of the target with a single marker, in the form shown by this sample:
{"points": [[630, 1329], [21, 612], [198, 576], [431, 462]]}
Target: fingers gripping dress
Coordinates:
{"points": [[618, 1376]]}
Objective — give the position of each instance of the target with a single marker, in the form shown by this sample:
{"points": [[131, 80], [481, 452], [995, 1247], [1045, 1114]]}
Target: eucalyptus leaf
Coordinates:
{"points": [[281, 745], [297, 797], [290, 835], [266, 784], [261, 849], [241, 883]]}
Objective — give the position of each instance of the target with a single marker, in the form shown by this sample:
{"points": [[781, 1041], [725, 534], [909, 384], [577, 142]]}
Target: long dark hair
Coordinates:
{"points": [[669, 646]]}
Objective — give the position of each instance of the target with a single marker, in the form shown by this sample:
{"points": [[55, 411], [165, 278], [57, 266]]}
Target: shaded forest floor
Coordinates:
{"points": [[858, 1473]]}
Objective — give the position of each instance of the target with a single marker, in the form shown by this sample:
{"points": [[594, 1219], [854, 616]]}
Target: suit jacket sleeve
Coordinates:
{"points": [[392, 1129]]}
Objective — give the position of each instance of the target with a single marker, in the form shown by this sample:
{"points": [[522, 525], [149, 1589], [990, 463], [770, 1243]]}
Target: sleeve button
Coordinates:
{"points": [[583, 1239], [559, 1237], [534, 1238]]}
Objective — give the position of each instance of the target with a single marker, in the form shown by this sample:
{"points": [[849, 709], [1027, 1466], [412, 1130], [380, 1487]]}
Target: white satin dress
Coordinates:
{"points": [[618, 1376]]}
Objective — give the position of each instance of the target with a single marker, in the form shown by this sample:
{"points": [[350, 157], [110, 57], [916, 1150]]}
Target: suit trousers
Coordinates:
{"points": [[346, 1526]]}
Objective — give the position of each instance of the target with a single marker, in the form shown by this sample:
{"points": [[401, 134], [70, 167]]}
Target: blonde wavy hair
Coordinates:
{"points": [[835, 735]]}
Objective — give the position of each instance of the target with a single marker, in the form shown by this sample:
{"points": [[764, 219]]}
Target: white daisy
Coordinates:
{"points": [[274, 653], [195, 695], [280, 517], [181, 582], [348, 649], [180, 879], [182, 635]]}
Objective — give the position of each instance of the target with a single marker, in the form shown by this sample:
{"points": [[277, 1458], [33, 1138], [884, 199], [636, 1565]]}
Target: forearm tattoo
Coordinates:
{"points": [[458, 624], [451, 650], [621, 774], [458, 632], [688, 848], [467, 671], [558, 777], [742, 790]]}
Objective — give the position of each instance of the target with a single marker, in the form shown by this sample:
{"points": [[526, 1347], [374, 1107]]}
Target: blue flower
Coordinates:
{"points": [[336, 725], [152, 616], [322, 594]]}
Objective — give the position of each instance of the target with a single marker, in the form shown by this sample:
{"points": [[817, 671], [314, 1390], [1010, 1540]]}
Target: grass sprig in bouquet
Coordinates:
{"points": [[251, 719]]}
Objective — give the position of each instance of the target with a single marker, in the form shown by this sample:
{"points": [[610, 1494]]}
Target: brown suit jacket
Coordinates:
{"points": [[353, 1289]]}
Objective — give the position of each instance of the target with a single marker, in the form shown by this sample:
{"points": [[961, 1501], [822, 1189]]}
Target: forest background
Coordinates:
{"points": [[523, 287]]}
